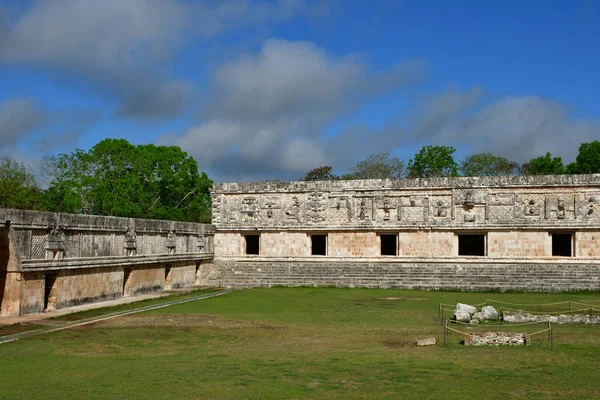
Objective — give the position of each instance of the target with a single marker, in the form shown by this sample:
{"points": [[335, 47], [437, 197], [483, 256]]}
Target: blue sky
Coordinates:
{"points": [[260, 90]]}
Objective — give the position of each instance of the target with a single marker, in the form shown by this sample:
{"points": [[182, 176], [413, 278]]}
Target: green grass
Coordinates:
{"points": [[299, 343], [130, 306]]}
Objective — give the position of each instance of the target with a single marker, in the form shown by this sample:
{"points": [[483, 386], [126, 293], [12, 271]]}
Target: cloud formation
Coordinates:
{"points": [[268, 110], [518, 128], [19, 117], [123, 48]]}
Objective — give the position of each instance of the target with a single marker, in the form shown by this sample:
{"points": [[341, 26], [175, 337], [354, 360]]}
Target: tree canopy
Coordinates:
{"points": [[433, 161], [588, 159], [487, 164], [320, 174], [18, 186], [378, 166], [117, 178], [546, 165]]}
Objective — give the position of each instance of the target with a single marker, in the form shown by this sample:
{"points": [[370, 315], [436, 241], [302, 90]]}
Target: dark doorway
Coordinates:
{"points": [[252, 244], [388, 245], [319, 245], [49, 299], [471, 245], [562, 245]]}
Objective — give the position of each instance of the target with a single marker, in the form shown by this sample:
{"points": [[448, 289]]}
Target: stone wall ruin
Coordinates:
{"points": [[522, 233], [50, 260]]}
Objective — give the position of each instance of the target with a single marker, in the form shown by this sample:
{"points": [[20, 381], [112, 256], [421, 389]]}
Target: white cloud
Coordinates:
{"points": [[123, 48], [518, 128], [269, 109]]}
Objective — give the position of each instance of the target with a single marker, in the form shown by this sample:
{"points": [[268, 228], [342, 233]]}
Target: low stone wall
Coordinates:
{"points": [[52, 260], [429, 275]]}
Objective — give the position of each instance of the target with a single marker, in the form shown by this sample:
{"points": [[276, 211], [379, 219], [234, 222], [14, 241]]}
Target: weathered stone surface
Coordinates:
{"points": [[427, 216], [460, 307], [520, 317], [479, 316], [474, 321], [496, 339], [489, 313], [63, 260], [427, 342], [462, 316]]}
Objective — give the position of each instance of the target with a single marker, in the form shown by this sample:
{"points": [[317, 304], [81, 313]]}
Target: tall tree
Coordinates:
{"points": [[588, 159], [487, 164], [18, 186], [378, 166], [546, 165], [433, 161], [117, 178], [323, 173]]}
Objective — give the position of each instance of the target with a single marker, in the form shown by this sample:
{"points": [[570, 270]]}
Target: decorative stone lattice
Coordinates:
{"points": [[71, 244], [38, 243]]}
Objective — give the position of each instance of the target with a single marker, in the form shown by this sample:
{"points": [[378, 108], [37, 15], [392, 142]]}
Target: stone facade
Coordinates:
{"points": [[52, 260], [526, 233]]}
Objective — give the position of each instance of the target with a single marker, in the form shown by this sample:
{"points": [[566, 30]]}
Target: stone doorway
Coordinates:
{"points": [[50, 292]]}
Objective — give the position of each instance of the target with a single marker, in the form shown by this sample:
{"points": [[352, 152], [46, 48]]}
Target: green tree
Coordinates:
{"points": [[588, 159], [320, 174], [487, 164], [546, 165], [117, 178], [378, 166], [18, 186], [433, 161]]}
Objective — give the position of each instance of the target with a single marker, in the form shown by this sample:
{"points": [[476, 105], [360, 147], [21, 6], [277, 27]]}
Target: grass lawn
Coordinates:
{"points": [[301, 343]]}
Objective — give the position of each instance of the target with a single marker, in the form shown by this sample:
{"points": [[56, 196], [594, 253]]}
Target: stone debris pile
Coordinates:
{"points": [[468, 313], [522, 317], [497, 339]]}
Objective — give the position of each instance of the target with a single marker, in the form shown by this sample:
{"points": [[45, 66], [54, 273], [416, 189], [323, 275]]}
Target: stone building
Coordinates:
{"points": [[524, 233], [537, 233], [52, 260]]}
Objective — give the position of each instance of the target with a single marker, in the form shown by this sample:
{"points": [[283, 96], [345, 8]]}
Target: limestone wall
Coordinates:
{"points": [[431, 274], [510, 224], [50, 260]]}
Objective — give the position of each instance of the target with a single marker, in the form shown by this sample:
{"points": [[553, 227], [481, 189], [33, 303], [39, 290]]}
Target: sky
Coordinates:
{"points": [[266, 90]]}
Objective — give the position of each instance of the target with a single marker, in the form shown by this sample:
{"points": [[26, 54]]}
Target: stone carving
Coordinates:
{"points": [[386, 209], [294, 210], [439, 208], [130, 238], [533, 205], [249, 207], [339, 209], [201, 242], [216, 209], [315, 207], [414, 210], [270, 204], [171, 240], [55, 242]]}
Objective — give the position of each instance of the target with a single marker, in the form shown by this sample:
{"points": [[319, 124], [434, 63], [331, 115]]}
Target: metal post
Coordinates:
{"points": [[440, 313], [551, 337], [445, 332], [569, 307]]}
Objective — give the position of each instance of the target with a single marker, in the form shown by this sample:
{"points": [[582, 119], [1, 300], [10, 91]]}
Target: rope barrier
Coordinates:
{"points": [[547, 312], [536, 333], [521, 304], [503, 324]]}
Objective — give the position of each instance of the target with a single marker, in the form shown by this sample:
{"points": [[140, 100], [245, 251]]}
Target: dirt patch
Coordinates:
{"points": [[402, 298], [176, 321], [397, 343], [16, 328]]}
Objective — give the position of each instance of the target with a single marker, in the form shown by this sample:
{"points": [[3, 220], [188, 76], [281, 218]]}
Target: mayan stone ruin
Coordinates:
{"points": [[532, 233], [536, 233]]}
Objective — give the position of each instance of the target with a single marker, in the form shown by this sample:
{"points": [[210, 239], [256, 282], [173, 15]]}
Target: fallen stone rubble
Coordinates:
{"points": [[497, 339], [522, 317]]}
